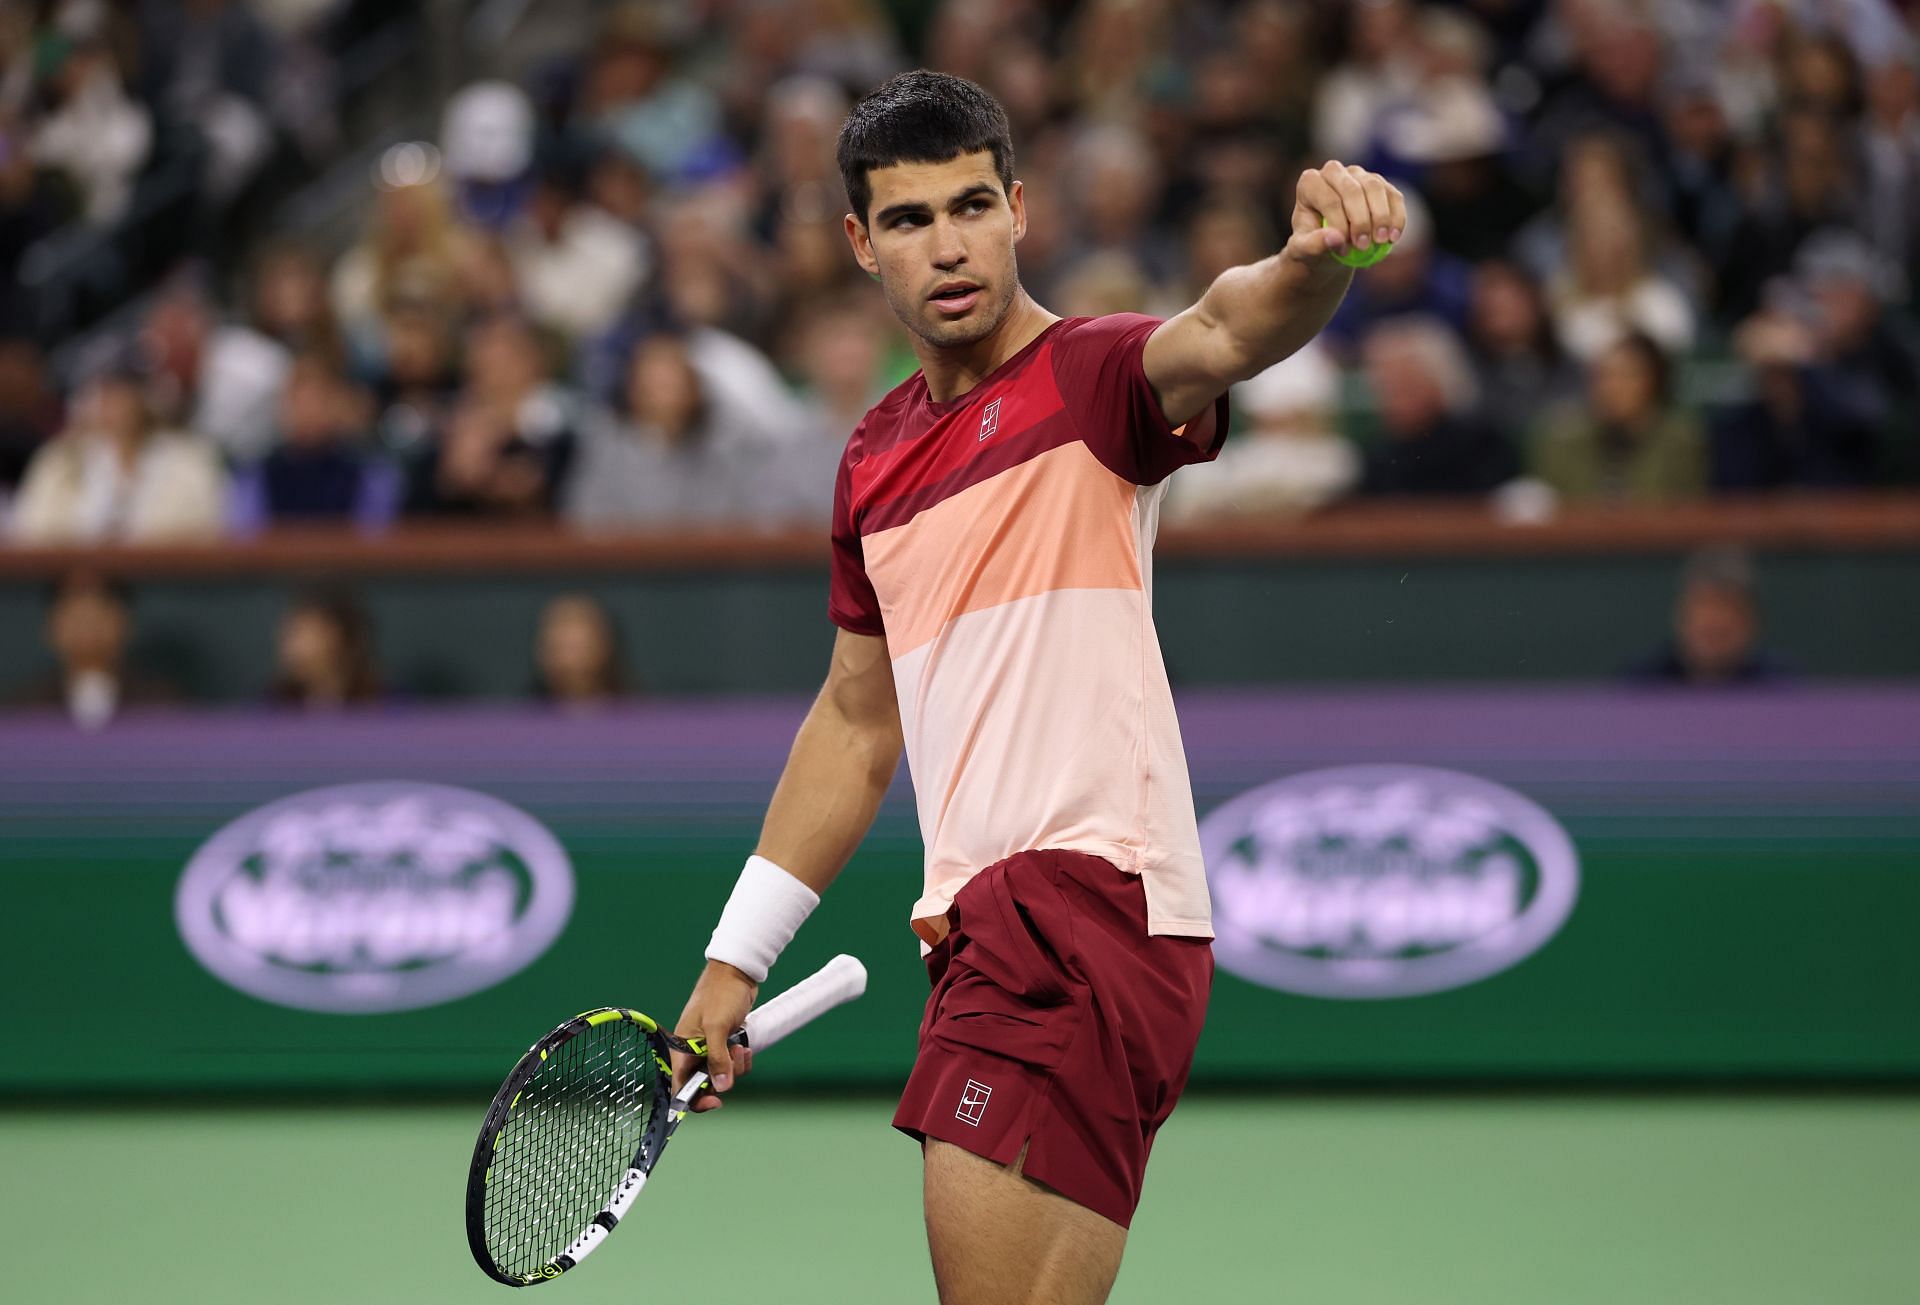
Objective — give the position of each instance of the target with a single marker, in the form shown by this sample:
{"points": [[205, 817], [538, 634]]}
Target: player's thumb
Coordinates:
{"points": [[1315, 243], [719, 1063]]}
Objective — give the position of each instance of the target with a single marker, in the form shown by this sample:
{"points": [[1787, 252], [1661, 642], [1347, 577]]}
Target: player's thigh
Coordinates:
{"points": [[1000, 1239]]}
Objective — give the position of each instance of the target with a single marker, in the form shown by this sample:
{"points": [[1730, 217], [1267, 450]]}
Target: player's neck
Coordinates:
{"points": [[952, 372]]}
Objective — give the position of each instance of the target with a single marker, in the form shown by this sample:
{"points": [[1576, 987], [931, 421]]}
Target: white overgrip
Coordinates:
{"points": [[836, 983]]}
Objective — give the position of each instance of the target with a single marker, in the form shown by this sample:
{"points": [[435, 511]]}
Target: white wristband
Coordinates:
{"points": [[767, 908]]}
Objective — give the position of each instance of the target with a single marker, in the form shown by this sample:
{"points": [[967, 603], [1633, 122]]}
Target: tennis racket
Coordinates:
{"points": [[575, 1131]]}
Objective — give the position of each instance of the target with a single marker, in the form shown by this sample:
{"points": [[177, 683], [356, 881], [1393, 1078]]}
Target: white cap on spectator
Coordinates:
{"points": [[1456, 122], [487, 133]]}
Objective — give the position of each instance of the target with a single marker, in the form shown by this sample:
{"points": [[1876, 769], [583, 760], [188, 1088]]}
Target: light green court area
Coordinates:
{"points": [[1496, 1200]]}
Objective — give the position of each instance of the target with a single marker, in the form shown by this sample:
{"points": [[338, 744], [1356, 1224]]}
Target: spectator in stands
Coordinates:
{"points": [[674, 455], [95, 135], [1225, 230], [1716, 628], [212, 63], [580, 663], [1276, 39], [511, 437], [638, 98], [1822, 75], [89, 623], [1382, 68], [32, 207], [1432, 441], [1452, 137], [1872, 349], [575, 265], [417, 382], [325, 657], [411, 252], [1113, 52], [487, 144], [841, 347], [1116, 184], [1814, 185], [321, 470], [486, 283], [795, 167], [1612, 83], [1517, 361], [29, 408], [1630, 443], [1286, 454], [1890, 148], [1609, 286], [1802, 427], [219, 379], [290, 304], [1103, 282], [114, 474], [712, 272], [1700, 161]]}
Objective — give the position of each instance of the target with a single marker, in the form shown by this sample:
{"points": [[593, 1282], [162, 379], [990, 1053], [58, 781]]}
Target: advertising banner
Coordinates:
{"points": [[1484, 885]]}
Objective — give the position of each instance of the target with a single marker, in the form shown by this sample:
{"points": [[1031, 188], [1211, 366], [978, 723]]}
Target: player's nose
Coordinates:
{"points": [[949, 251]]}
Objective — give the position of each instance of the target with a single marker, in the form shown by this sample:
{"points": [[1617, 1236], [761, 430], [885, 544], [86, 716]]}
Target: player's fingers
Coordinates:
{"points": [[1316, 205], [683, 1066], [1354, 216], [1396, 212], [1379, 206]]}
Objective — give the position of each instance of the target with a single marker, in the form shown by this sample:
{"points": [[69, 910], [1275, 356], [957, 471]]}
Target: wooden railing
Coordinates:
{"points": [[1855, 523]]}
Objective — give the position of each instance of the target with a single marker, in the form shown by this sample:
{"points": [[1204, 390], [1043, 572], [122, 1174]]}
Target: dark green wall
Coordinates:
{"points": [[1246, 621]]}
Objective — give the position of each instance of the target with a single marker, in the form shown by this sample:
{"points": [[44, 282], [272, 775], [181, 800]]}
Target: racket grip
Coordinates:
{"points": [[836, 983]]}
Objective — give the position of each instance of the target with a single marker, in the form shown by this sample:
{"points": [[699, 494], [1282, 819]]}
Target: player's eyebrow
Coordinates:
{"points": [[886, 215]]}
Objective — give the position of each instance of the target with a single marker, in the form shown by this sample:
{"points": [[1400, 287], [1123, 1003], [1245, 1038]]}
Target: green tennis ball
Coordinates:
{"points": [[1352, 257]]}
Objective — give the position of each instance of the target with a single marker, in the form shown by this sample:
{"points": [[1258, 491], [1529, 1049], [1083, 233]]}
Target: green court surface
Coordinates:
{"points": [[1442, 1200]]}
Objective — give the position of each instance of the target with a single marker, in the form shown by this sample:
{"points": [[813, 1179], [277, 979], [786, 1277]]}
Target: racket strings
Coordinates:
{"points": [[567, 1143]]}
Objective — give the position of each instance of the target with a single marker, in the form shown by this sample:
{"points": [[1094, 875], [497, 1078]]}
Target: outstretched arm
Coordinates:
{"points": [[1253, 316], [842, 761]]}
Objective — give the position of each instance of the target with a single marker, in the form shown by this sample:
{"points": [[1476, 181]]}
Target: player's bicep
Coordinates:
{"points": [[1190, 360]]}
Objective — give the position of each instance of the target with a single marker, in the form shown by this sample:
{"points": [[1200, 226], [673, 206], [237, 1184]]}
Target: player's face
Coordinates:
{"points": [[940, 237]]}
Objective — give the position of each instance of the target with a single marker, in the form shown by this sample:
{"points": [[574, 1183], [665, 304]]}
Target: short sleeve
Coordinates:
{"points": [[1097, 367], [851, 602]]}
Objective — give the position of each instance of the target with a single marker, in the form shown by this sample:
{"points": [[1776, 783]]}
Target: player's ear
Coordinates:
{"points": [[1017, 205], [862, 241]]}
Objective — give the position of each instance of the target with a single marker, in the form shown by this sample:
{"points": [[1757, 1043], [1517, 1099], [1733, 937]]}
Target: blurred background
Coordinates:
{"points": [[417, 430]]}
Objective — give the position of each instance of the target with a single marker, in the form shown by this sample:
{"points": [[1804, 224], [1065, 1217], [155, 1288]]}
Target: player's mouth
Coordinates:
{"points": [[955, 298]]}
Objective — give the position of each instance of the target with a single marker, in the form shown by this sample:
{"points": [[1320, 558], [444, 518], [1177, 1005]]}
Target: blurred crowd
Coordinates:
{"points": [[1656, 251]]}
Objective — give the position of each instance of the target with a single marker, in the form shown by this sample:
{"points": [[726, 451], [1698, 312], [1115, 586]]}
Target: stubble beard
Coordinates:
{"points": [[921, 320]]}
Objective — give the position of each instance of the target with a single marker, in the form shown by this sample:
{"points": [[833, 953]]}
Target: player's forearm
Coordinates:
{"points": [[830, 791], [1262, 312]]}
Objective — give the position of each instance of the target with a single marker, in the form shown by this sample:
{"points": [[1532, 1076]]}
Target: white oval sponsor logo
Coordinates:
{"points": [[1383, 881], [364, 898]]}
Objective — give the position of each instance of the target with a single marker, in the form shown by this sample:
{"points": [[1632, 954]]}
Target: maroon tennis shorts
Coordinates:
{"points": [[1056, 1023]]}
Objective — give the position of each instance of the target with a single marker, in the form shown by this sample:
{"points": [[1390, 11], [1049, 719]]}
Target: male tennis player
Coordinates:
{"points": [[992, 529]]}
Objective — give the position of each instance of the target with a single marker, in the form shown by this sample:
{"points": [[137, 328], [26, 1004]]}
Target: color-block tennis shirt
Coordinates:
{"points": [[1002, 544]]}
